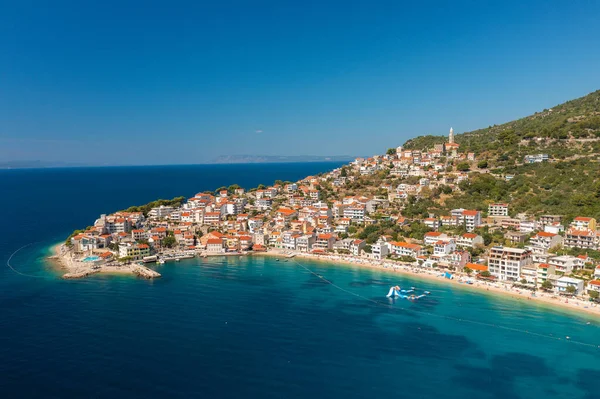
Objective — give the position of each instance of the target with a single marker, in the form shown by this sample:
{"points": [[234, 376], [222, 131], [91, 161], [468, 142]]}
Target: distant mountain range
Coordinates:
{"points": [[280, 158], [35, 164]]}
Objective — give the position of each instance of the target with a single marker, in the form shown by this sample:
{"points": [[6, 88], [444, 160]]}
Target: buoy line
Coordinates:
{"points": [[15, 270], [456, 319]]}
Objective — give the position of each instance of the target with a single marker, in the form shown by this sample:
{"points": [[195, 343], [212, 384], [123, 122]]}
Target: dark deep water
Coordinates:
{"points": [[254, 327]]}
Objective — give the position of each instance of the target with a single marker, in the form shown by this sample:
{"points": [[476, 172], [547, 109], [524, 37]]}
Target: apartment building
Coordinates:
{"points": [[505, 263], [498, 210]]}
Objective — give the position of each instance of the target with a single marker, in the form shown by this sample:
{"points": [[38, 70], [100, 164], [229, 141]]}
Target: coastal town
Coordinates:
{"points": [[362, 213]]}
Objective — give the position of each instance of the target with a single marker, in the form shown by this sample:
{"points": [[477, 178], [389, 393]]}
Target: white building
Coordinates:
{"points": [[536, 158], [133, 250], [469, 240], [564, 282], [542, 242], [498, 210], [357, 246], [505, 263], [566, 263], [444, 247], [356, 213], [380, 250], [161, 212], [431, 237], [472, 219]]}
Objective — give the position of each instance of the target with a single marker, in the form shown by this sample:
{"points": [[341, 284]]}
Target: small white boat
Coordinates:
{"points": [[161, 261]]}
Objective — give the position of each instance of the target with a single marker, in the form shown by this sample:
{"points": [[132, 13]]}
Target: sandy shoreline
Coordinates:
{"points": [[551, 301]]}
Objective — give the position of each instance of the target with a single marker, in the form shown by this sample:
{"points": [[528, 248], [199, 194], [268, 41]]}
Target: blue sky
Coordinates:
{"points": [[127, 82]]}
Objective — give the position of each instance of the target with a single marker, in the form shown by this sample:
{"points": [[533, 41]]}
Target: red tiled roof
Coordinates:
{"points": [[477, 267], [545, 234]]}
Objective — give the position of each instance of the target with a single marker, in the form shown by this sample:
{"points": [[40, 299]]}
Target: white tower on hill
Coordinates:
{"points": [[451, 136]]}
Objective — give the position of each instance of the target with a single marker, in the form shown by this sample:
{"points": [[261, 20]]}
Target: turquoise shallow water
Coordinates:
{"points": [[225, 327], [254, 327]]}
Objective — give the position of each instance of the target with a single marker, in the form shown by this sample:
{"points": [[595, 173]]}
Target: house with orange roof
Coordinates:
{"points": [[406, 249], [245, 242], [593, 285], [286, 214], [215, 245], [581, 238], [584, 223], [477, 268], [472, 219], [324, 242], [106, 256], [134, 251], [138, 234], [187, 216], [212, 218], [159, 231], [469, 240], [444, 247], [431, 237]]}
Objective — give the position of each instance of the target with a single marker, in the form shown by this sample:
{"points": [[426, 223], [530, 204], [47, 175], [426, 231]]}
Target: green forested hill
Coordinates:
{"points": [[569, 188], [567, 185], [561, 131]]}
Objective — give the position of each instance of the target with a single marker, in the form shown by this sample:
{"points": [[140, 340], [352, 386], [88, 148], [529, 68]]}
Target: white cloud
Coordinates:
{"points": [[258, 131]]}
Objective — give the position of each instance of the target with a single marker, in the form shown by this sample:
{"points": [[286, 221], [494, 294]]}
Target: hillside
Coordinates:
{"points": [[566, 130], [569, 184]]}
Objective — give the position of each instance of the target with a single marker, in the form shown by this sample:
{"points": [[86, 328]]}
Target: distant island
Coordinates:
{"points": [[280, 158], [511, 208], [222, 159]]}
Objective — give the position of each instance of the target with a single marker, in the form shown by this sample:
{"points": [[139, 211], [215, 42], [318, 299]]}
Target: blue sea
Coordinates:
{"points": [[254, 327]]}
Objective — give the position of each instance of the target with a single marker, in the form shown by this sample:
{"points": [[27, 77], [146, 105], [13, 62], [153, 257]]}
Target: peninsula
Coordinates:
{"points": [[510, 208]]}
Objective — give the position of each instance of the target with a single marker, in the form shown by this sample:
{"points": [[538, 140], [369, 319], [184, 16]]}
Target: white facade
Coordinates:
{"points": [[505, 263], [564, 282], [498, 210]]}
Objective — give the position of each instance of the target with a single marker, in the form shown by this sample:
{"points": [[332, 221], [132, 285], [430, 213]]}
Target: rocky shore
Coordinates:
{"points": [[77, 269]]}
